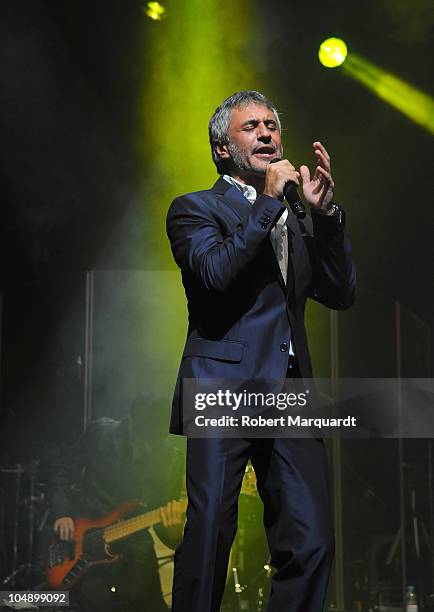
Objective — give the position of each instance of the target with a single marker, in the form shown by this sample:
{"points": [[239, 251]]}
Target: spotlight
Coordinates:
{"points": [[332, 52], [155, 11]]}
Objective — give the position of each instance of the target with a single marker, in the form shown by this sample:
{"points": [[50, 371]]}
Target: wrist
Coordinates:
{"points": [[271, 194], [332, 209], [328, 210]]}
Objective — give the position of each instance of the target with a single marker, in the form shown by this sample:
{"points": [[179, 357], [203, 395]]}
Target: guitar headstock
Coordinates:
{"points": [[249, 486]]}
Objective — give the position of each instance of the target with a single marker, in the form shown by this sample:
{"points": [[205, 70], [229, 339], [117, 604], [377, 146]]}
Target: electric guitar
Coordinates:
{"points": [[69, 560]]}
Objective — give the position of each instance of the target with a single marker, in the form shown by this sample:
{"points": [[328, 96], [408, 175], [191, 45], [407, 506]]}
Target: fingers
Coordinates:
{"points": [[304, 174], [321, 184], [323, 169], [69, 530], [285, 169], [164, 515], [64, 528], [176, 513], [277, 175], [327, 177], [323, 181], [323, 158], [321, 152], [171, 514], [322, 161]]}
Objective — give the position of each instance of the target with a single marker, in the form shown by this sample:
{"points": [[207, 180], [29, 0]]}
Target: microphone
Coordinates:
{"points": [[290, 194]]}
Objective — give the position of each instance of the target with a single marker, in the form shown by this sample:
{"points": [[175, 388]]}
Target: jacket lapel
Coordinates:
{"points": [[232, 196], [290, 233], [296, 255]]}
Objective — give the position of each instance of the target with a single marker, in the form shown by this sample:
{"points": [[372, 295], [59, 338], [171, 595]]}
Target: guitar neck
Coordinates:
{"points": [[122, 529]]}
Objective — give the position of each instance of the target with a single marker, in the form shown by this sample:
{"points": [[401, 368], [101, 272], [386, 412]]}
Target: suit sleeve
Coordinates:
{"points": [[334, 273], [198, 244]]}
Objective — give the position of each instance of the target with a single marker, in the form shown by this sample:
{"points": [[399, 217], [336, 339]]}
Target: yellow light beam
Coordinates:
{"points": [[415, 104], [194, 59]]}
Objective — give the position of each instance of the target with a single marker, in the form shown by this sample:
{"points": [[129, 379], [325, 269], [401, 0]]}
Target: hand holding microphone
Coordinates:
{"points": [[281, 180]]}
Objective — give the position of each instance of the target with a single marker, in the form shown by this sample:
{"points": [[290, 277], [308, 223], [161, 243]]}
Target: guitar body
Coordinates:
{"points": [[68, 561]]}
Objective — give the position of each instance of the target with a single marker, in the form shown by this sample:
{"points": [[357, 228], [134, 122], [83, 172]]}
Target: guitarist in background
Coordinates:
{"points": [[112, 462]]}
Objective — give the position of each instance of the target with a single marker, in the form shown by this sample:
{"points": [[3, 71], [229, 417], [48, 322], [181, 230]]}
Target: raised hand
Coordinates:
{"points": [[318, 190]]}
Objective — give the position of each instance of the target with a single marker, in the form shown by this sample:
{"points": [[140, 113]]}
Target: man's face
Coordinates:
{"points": [[254, 139]]}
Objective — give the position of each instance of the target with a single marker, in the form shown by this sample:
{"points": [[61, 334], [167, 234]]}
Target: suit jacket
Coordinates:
{"points": [[241, 313]]}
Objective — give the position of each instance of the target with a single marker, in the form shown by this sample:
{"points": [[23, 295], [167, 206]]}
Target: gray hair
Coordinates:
{"points": [[218, 125]]}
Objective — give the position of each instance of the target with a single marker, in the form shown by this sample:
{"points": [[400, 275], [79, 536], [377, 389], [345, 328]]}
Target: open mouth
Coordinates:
{"points": [[265, 152]]}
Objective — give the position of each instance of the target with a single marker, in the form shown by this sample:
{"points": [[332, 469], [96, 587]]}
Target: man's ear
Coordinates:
{"points": [[222, 151]]}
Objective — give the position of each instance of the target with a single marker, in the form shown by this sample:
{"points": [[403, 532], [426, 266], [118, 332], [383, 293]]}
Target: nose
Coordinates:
{"points": [[263, 133]]}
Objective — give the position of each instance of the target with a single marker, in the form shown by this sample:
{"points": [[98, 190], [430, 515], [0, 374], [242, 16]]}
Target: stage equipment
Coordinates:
{"points": [[415, 104], [155, 11], [332, 52], [26, 569]]}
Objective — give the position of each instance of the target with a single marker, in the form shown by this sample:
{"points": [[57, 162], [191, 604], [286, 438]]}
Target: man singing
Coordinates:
{"points": [[248, 266]]}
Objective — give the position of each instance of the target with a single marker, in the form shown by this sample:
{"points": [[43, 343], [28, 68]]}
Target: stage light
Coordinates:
{"points": [[332, 52], [413, 103], [155, 11]]}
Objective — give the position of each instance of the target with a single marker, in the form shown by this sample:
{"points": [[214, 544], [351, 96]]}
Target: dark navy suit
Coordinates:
{"points": [[242, 317]]}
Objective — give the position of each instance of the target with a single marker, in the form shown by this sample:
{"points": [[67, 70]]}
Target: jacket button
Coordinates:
{"points": [[283, 347], [267, 219], [264, 225]]}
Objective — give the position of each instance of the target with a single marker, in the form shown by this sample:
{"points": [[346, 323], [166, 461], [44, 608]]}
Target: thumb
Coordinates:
{"points": [[305, 175]]}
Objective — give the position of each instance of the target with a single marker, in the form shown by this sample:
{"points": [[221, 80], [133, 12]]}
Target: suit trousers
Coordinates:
{"points": [[293, 483]]}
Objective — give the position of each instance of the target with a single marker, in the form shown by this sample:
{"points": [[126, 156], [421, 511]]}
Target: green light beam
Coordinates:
{"points": [[411, 102], [195, 58]]}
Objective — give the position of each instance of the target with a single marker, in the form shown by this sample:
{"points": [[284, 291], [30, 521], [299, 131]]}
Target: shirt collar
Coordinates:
{"points": [[248, 191]]}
